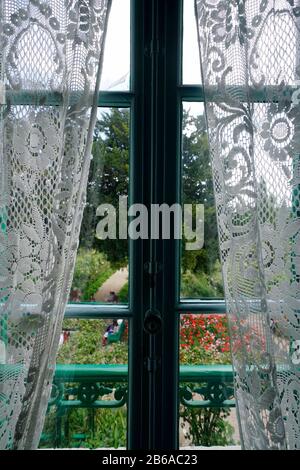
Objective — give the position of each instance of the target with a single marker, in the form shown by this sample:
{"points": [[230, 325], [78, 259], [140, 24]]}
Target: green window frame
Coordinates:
{"points": [[155, 99]]}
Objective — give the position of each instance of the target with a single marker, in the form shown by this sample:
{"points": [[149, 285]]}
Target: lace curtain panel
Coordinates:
{"points": [[250, 53], [50, 66]]}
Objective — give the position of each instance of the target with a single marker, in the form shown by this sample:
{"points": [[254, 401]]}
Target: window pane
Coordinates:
{"points": [[88, 405], [191, 74], [116, 65], [101, 271], [207, 413], [200, 266]]}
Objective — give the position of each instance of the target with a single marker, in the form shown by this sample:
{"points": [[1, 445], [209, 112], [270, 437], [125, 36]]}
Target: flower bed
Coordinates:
{"points": [[204, 339]]}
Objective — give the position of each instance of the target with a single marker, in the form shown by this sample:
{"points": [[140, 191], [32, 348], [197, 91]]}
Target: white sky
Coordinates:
{"points": [[117, 53]]}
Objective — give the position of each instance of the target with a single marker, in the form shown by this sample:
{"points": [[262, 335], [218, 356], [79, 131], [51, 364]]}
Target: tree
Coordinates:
{"points": [[108, 179], [198, 189], [196, 176]]}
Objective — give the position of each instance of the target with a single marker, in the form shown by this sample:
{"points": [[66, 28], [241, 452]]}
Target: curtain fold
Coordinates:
{"points": [[51, 55], [251, 76]]}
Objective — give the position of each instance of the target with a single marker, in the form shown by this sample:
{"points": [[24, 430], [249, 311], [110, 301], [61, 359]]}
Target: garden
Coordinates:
{"points": [[204, 339]]}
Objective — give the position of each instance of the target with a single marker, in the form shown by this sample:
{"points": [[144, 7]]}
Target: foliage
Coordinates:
{"points": [[91, 270], [85, 345], [108, 180], [202, 285], [111, 428], [123, 294], [92, 429], [197, 176], [204, 339], [207, 427], [197, 188], [247, 339]]}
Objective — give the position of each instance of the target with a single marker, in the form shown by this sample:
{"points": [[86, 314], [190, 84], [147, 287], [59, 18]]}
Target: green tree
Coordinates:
{"points": [[197, 188], [196, 177], [108, 179]]}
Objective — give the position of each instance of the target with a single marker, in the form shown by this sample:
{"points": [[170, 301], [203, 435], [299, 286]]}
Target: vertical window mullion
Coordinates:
{"points": [[155, 163], [171, 248], [137, 429]]}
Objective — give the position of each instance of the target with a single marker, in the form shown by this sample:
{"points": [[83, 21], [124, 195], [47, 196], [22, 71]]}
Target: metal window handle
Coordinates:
{"points": [[152, 322]]}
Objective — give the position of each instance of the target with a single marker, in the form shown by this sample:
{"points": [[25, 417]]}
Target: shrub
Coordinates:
{"points": [[208, 427], [90, 428], [201, 285], [87, 428], [123, 294], [85, 345], [91, 271], [204, 339], [111, 429]]}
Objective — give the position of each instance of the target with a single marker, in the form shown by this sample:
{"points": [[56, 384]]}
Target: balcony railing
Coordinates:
{"points": [[105, 386]]}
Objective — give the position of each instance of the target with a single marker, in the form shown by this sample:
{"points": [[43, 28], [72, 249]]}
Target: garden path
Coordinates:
{"points": [[113, 284]]}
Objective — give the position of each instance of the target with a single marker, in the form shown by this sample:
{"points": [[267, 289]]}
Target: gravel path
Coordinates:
{"points": [[113, 284]]}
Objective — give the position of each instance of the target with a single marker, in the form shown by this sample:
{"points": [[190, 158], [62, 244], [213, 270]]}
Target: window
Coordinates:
{"points": [[150, 145], [86, 412]]}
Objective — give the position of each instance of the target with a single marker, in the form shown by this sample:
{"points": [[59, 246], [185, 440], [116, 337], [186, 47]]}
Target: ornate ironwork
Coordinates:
{"points": [[105, 387], [212, 394]]}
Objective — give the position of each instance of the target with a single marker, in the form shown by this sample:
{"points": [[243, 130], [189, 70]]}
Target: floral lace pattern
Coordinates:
{"points": [[250, 54], [50, 65]]}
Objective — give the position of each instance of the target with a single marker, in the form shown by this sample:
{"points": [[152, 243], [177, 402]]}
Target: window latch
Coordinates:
{"points": [[152, 322]]}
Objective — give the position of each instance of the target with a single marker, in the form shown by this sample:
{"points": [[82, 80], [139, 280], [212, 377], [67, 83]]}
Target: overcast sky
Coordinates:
{"points": [[117, 54]]}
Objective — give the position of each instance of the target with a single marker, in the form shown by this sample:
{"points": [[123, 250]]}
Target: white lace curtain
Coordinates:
{"points": [[51, 55], [250, 52]]}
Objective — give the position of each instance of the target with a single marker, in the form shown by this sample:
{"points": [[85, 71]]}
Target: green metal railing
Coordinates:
{"points": [[93, 387]]}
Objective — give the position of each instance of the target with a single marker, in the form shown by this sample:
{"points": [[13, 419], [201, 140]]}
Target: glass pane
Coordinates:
{"points": [[88, 405], [207, 408], [200, 266], [101, 271], [191, 74], [116, 65]]}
